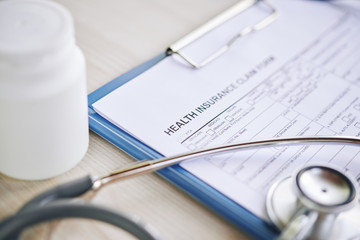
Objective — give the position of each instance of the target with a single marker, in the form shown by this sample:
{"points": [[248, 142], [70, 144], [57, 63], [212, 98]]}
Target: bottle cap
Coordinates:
{"points": [[33, 28]]}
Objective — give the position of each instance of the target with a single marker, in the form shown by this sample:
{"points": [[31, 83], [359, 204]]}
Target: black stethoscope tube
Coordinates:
{"points": [[60, 209], [52, 205]]}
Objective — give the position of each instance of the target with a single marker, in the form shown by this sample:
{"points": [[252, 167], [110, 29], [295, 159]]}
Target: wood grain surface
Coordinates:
{"points": [[115, 36]]}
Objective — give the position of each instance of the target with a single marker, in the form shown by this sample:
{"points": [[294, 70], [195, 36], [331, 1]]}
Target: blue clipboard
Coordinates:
{"points": [[183, 179], [186, 181]]}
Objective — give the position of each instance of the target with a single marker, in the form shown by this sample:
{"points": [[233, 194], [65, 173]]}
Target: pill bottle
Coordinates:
{"points": [[43, 98]]}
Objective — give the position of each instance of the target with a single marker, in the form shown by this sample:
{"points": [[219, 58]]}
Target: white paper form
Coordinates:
{"points": [[299, 76]]}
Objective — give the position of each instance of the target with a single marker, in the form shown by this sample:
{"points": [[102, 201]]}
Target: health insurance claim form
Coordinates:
{"points": [[298, 76]]}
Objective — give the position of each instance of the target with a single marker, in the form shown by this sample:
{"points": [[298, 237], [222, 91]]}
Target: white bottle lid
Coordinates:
{"points": [[33, 27]]}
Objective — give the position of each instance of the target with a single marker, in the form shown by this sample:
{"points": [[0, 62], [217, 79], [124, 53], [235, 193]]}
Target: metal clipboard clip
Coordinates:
{"points": [[241, 6]]}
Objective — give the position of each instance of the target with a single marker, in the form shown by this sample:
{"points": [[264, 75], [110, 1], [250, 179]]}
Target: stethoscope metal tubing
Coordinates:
{"points": [[153, 165]]}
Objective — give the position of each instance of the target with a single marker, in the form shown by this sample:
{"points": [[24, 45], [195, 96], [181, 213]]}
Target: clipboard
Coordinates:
{"points": [[178, 176]]}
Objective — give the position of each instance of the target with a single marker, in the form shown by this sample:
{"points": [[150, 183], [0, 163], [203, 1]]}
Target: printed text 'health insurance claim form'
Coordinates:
{"points": [[298, 76]]}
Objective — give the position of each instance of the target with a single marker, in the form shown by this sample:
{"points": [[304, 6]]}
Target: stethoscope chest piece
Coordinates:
{"points": [[319, 202]]}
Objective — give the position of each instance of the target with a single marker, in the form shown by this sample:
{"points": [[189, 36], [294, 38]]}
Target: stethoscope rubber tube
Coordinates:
{"points": [[60, 209], [68, 190], [54, 204]]}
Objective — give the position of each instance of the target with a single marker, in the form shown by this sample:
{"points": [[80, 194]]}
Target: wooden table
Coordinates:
{"points": [[115, 36]]}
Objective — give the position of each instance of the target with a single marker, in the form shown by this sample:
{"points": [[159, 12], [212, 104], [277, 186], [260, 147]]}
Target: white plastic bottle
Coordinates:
{"points": [[43, 97]]}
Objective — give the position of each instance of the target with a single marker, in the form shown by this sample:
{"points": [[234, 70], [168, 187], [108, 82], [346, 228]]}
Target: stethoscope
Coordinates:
{"points": [[317, 202]]}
